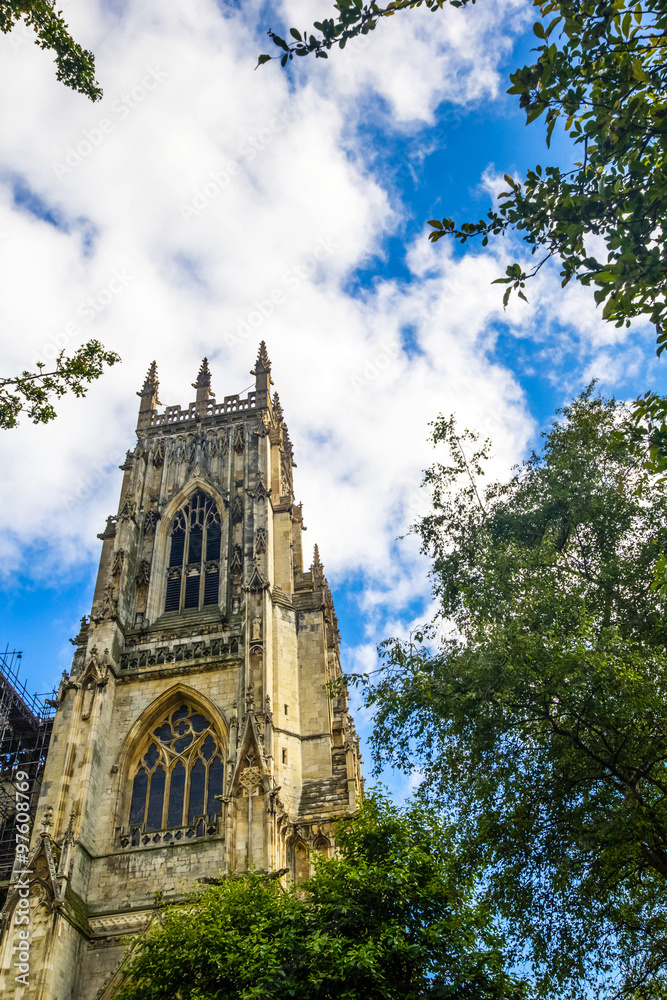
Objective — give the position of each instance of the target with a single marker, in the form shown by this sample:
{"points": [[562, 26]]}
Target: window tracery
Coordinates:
{"points": [[193, 574], [178, 774]]}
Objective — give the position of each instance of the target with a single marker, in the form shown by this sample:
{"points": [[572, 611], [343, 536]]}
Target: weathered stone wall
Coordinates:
{"points": [[255, 664]]}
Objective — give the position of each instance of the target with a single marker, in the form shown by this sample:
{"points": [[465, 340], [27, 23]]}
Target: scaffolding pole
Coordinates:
{"points": [[26, 723]]}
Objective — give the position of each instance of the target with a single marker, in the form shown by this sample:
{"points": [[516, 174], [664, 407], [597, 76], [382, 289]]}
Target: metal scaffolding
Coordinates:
{"points": [[26, 723]]}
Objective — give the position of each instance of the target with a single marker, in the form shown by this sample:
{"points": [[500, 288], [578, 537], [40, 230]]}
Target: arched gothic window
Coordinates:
{"points": [[193, 576], [178, 774]]}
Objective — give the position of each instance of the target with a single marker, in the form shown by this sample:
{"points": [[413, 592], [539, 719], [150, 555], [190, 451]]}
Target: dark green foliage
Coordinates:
{"points": [[648, 434], [75, 65], [392, 918], [540, 724], [33, 393]]}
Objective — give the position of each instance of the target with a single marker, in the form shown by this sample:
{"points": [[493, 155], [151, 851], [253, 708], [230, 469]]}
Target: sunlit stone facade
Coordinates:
{"points": [[195, 730]]}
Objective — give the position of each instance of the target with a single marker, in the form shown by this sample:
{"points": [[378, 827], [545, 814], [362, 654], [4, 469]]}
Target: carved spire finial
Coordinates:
{"points": [[263, 381], [204, 376], [151, 382], [277, 408], [262, 365], [317, 570], [203, 384], [148, 396]]}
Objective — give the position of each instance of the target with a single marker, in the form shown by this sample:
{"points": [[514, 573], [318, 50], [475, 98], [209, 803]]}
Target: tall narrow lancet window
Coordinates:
{"points": [[193, 576], [179, 774]]}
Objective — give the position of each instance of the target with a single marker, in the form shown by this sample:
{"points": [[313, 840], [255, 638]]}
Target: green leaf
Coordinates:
{"points": [[538, 722], [395, 904]]}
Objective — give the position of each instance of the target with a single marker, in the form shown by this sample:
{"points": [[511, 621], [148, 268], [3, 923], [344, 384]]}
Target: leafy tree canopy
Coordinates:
{"points": [[75, 66], [600, 70], [539, 721], [393, 917], [33, 393]]}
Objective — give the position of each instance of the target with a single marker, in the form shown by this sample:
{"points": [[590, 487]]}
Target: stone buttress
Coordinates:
{"points": [[196, 730]]}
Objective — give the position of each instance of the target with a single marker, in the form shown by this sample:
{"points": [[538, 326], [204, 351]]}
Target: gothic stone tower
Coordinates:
{"points": [[195, 731]]}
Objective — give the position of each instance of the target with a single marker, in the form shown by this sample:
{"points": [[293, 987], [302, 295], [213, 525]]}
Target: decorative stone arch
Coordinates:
{"points": [[152, 715], [301, 856], [158, 581], [88, 689], [92, 679], [322, 844], [298, 857]]}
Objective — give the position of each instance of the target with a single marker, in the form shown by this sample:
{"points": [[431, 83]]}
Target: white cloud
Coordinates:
{"points": [[190, 194], [417, 59]]}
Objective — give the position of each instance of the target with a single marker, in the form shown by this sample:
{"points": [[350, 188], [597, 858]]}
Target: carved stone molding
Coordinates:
{"points": [[110, 529], [262, 491], [119, 559], [236, 564], [260, 541], [150, 521], [130, 923], [251, 778], [129, 509], [180, 653], [237, 510], [108, 611], [257, 582], [158, 455]]}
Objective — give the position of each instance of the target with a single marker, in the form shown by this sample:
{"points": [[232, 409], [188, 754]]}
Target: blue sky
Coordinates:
{"points": [[161, 220]]}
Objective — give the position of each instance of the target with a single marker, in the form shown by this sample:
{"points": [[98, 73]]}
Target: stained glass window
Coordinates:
{"points": [[197, 786], [215, 775], [193, 575], [139, 790], [156, 800], [176, 795], [179, 773]]}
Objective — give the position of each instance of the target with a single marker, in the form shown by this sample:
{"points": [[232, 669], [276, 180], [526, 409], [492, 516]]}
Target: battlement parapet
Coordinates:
{"points": [[210, 408]]}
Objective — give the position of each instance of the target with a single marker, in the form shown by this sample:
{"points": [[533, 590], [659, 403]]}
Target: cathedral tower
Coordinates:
{"points": [[196, 730]]}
